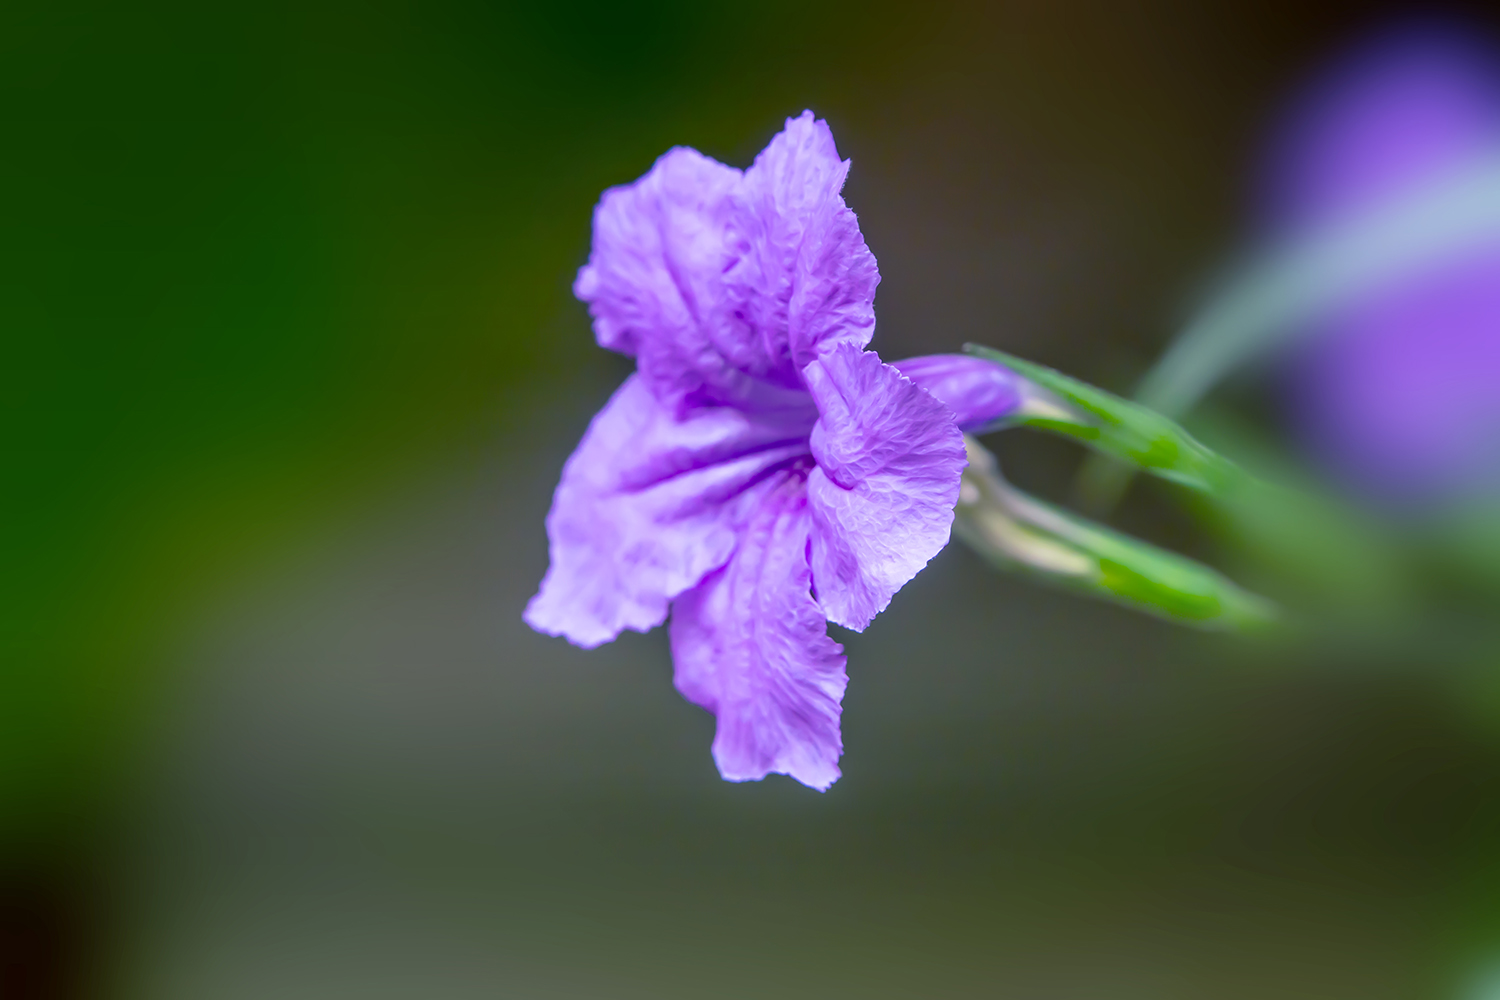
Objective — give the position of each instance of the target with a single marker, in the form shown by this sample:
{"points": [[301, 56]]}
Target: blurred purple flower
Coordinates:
{"points": [[761, 473], [1400, 390]]}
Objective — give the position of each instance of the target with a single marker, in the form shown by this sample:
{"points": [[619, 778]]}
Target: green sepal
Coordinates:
{"points": [[1017, 532], [1116, 427]]}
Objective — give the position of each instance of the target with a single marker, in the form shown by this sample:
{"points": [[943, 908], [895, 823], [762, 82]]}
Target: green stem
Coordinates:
{"points": [[1015, 531], [1117, 427]]}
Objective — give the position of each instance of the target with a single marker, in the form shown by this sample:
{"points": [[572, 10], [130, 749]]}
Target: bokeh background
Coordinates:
{"points": [[291, 368]]}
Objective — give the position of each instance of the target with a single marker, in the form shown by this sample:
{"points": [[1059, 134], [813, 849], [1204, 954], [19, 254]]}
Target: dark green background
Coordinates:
{"points": [[291, 366]]}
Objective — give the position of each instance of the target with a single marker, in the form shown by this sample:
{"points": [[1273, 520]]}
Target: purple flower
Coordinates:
{"points": [[1400, 390], [761, 473]]}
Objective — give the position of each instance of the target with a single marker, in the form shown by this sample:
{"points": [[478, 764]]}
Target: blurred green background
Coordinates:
{"points": [[294, 364]]}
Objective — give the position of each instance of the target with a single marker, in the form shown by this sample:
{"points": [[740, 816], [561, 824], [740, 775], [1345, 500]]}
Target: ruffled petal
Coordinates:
{"points": [[889, 461], [977, 390], [657, 245], [810, 280], [723, 285], [751, 645], [650, 503], [655, 280]]}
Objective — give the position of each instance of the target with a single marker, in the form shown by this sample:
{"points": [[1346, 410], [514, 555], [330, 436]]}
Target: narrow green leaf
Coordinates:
{"points": [[1117, 427]]}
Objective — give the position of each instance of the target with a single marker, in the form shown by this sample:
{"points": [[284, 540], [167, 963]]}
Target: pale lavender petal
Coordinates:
{"points": [[889, 460], [655, 279], [657, 242], [978, 391], [650, 503], [751, 645], [721, 284], [808, 281]]}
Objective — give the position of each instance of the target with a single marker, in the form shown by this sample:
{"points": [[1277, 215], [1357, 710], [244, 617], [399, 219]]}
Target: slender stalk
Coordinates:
{"points": [[1017, 532]]}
